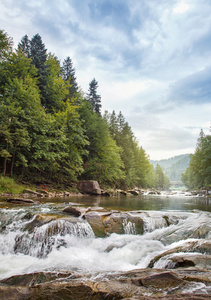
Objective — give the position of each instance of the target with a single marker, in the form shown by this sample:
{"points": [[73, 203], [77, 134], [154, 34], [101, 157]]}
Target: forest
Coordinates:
{"points": [[51, 131], [198, 173]]}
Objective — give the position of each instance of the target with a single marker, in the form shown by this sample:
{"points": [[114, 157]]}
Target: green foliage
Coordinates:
{"points": [[48, 130], [161, 180], [103, 162], [173, 167], [5, 45], [92, 96], [136, 166], [198, 174], [56, 88], [68, 75], [8, 185]]}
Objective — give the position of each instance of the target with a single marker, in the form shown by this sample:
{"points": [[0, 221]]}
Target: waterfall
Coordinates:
{"points": [[129, 227], [42, 239]]}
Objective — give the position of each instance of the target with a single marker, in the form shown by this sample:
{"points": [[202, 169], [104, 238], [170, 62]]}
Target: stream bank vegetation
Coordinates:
{"points": [[198, 174]]}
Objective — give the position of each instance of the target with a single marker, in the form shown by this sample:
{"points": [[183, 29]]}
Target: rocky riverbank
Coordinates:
{"points": [[180, 268], [144, 284]]}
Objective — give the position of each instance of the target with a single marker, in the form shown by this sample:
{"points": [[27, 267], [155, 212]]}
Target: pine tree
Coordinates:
{"points": [[24, 46], [93, 97], [68, 75], [5, 47], [39, 57]]}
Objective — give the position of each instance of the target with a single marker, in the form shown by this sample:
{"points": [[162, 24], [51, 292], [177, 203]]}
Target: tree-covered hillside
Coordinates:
{"points": [[198, 173], [174, 167], [50, 131]]}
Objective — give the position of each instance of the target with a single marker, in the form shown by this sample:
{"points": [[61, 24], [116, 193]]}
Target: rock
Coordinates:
{"points": [[75, 211], [20, 201], [95, 221], [105, 223], [133, 192], [33, 193], [105, 193], [188, 260], [89, 187], [122, 192], [201, 257], [161, 280], [39, 191], [66, 194], [143, 284]]}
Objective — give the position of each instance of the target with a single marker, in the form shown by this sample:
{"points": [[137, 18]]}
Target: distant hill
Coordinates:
{"points": [[173, 167]]}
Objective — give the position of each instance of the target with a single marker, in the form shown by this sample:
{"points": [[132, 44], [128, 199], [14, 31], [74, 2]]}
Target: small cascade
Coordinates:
{"points": [[129, 227], [152, 223], [38, 242], [52, 235]]}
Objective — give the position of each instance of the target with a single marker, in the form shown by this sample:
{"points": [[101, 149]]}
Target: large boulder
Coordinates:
{"points": [[89, 187], [105, 223]]}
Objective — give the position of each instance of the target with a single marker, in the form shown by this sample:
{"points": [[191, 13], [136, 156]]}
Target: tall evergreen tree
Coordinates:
{"points": [[93, 97], [24, 46], [198, 174], [5, 45], [39, 57], [68, 74]]}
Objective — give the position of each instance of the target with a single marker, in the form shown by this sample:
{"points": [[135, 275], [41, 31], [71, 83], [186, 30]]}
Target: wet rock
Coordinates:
{"points": [[188, 260], [89, 187], [20, 201], [38, 221], [75, 211], [161, 280], [133, 192], [95, 221], [105, 223], [50, 286], [136, 284], [201, 258]]}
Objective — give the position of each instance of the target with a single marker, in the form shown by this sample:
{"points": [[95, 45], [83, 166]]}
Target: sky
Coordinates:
{"points": [[151, 58]]}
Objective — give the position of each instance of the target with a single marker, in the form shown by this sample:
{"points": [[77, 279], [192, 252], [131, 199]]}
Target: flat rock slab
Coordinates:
{"points": [[143, 284], [20, 201]]}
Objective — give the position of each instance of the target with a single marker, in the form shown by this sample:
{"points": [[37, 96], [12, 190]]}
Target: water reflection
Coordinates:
{"points": [[141, 202]]}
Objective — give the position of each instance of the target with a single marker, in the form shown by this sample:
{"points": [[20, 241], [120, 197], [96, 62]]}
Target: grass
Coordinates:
{"points": [[8, 185]]}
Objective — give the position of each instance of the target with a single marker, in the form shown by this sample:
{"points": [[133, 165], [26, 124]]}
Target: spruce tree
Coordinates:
{"points": [[24, 46], [93, 97], [39, 57], [68, 75]]}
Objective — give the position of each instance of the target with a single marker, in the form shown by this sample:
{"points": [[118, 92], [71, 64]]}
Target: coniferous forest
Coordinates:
{"points": [[52, 131]]}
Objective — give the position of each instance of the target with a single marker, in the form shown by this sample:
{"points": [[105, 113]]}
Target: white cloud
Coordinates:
{"points": [[181, 8]]}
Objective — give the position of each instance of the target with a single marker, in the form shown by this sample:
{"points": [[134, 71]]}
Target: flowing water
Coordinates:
{"points": [[42, 238]]}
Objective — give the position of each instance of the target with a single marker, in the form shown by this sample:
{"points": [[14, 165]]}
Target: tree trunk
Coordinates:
{"points": [[5, 166], [5, 163], [12, 164]]}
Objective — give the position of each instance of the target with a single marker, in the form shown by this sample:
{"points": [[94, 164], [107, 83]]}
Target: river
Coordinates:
{"points": [[67, 243]]}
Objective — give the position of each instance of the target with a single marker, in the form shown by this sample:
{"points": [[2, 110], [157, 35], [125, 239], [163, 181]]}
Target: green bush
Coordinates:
{"points": [[8, 185]]}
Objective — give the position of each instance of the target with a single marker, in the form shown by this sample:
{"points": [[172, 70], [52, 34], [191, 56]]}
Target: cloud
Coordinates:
{"points": [[164, 142], [195, 88]]}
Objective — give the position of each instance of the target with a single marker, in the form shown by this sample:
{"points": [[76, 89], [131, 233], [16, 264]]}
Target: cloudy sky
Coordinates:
{"points": [[151, 58]]}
